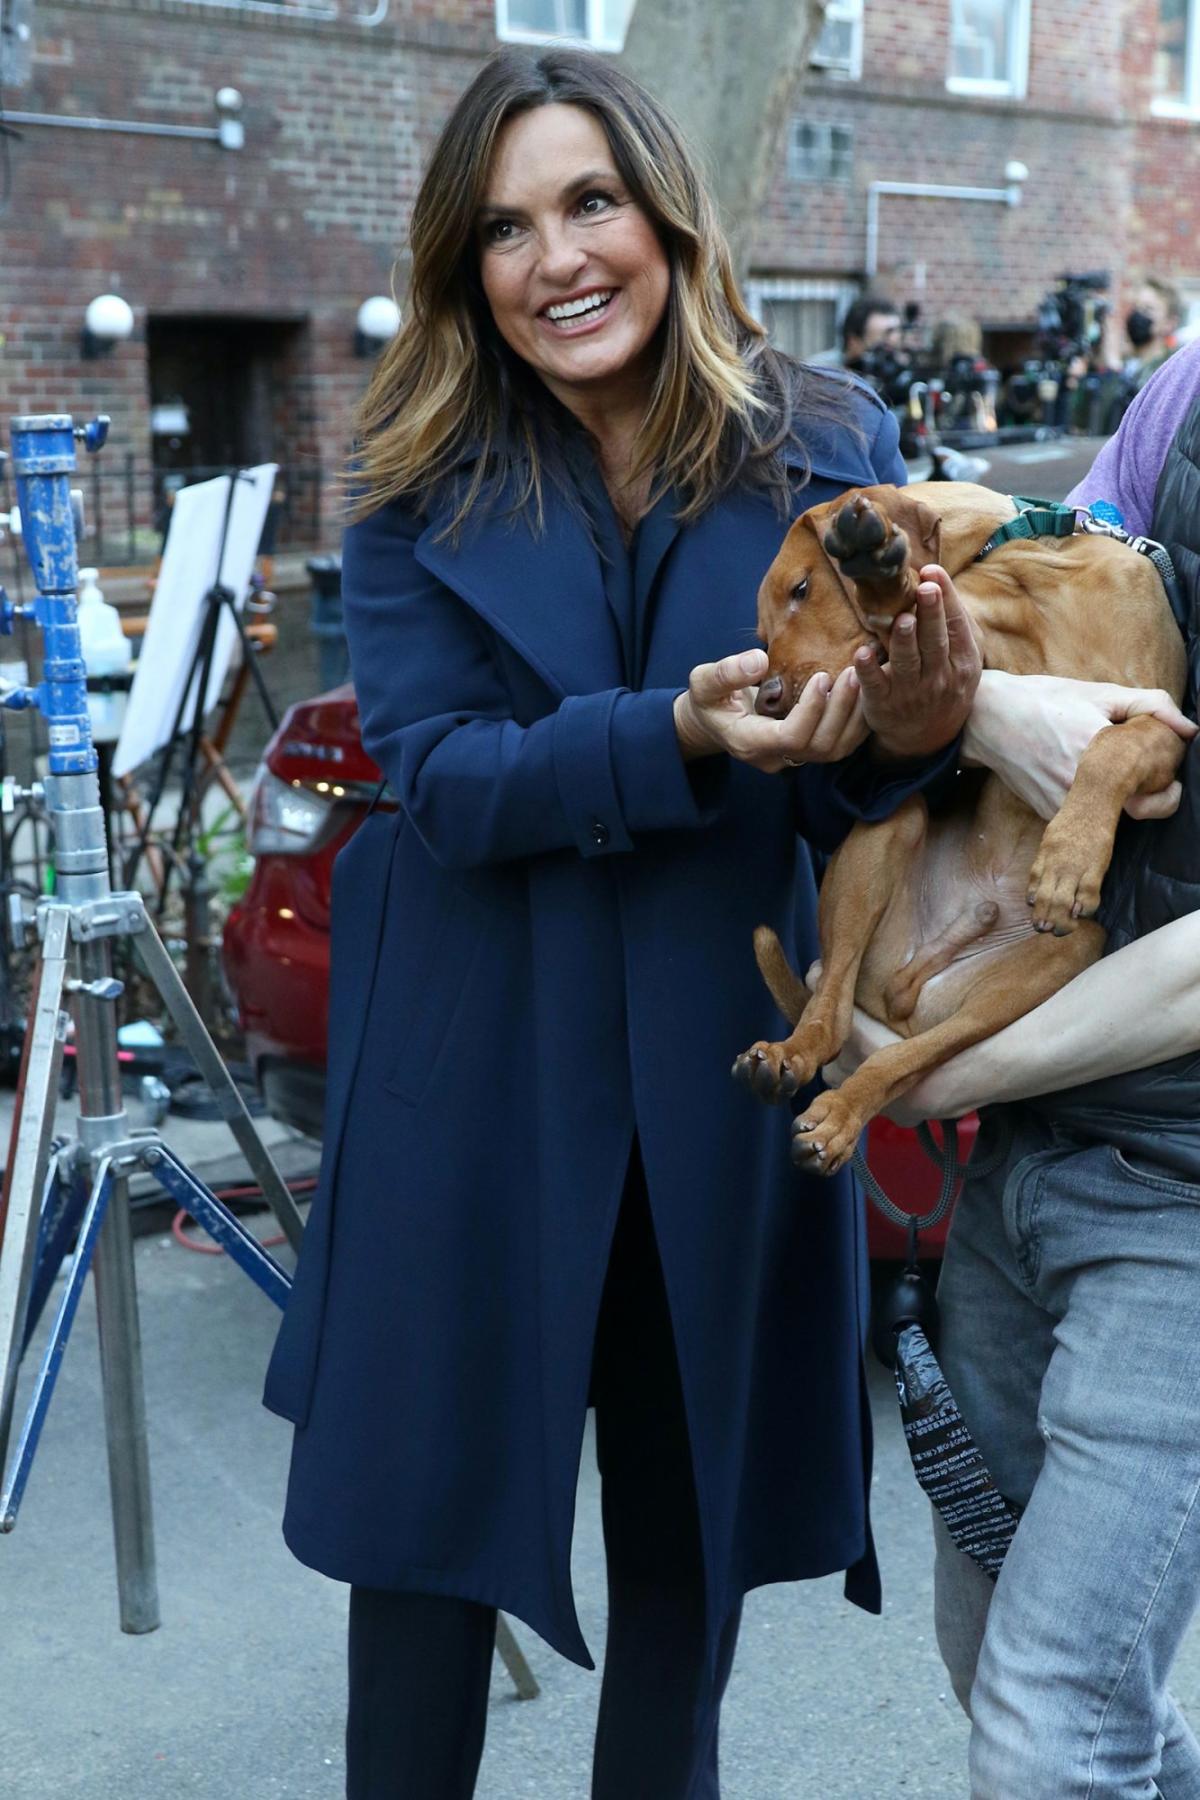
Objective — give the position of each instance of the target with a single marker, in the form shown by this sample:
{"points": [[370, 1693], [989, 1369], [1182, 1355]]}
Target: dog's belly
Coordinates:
{"points": [[961, 906]]}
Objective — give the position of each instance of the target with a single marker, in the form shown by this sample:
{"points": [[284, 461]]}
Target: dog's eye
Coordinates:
{"points": [[801, 588]]}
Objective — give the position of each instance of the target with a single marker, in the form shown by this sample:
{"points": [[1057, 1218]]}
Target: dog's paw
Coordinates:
{"points": [[1064, 885], [824, 1136], [769, 1071], [865, 543]]}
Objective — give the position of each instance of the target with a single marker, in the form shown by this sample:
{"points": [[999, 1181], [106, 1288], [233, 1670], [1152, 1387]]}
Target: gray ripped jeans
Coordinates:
{"points": [[1070, 1299]]}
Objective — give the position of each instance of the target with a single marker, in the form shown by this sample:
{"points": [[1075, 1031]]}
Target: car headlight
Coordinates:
{"points": [[286, 817]]}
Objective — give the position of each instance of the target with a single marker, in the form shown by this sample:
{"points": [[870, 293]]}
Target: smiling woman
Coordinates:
{"points": [[576, 278], [559, 180], [575, 462]]}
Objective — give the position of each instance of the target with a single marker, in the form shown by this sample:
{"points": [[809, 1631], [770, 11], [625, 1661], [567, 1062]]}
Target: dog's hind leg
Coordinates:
{"points": [[860, 882], [1021, 977]]}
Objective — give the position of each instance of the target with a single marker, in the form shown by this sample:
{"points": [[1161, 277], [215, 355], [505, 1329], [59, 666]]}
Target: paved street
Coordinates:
{"points": [[1043, 471], [239, 1695]]}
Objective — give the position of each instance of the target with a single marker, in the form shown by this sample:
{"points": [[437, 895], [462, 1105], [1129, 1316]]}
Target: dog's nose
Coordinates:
{"points": [[772, 698]]}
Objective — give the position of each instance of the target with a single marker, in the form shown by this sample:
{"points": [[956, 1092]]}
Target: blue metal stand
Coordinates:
{"points": [[78, 1191]]}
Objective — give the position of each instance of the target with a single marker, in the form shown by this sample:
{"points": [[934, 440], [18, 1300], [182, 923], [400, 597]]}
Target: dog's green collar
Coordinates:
{"points": [[1035, 518]]}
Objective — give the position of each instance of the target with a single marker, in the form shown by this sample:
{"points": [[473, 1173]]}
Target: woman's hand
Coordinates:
{"points": [[1033, 729], [717, 713], [919, 700]]}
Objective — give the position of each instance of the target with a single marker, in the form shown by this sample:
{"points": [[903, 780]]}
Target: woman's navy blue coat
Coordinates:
{"points": [[546, 949]]}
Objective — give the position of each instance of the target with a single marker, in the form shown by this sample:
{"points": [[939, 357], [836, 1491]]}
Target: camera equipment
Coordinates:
{"points": [[889, 371], [1070, 318], [78, 1190]]}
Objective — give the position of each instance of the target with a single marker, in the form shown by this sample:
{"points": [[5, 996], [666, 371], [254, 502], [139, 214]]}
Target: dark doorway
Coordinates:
{"points": [[219, 390], [225, 393]]}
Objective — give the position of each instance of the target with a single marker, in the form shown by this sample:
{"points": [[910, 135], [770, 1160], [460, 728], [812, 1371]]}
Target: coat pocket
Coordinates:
{"points": [[442, 988]]}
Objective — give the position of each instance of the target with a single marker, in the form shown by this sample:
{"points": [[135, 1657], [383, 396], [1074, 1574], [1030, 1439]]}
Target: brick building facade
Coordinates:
{"points": [[245, 267]]}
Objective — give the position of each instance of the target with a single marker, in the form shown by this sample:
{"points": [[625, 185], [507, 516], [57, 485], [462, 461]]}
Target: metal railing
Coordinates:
{"points": [[127, 509]]}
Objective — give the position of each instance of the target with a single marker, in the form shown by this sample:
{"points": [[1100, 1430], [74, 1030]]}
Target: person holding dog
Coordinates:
{"points": [[539, 1185], [1070, 1290]]}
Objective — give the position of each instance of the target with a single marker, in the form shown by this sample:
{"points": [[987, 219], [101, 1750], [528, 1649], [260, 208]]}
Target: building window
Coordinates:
{"points": [[820, 152], [838, 49], [600, 23], [1177, 57], [1189, 324], [801, 316], [989, 47]]}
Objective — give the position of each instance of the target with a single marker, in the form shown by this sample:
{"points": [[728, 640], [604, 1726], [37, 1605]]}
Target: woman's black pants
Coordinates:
{"points": [[420, 1664]]}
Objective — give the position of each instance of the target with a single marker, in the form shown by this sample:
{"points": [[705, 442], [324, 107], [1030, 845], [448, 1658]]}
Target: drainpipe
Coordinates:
{"points": [[1014, 174]]}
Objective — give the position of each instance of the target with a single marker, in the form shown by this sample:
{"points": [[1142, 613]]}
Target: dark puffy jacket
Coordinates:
{"points": [[1156, 876]]}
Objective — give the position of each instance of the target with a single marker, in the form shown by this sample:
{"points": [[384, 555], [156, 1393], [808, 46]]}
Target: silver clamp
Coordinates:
{"points": [[1087, 521], [113, 915], [20, 922], [12, 794], [126, 1151], [1148, 547], [105, 987]]}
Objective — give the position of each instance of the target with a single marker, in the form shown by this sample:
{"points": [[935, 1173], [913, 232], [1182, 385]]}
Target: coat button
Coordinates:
{"points": [[599, 833]]}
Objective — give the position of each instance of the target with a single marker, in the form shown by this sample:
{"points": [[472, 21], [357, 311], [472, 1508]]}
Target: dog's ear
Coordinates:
{"points": [[926, 528], [920, 523]]}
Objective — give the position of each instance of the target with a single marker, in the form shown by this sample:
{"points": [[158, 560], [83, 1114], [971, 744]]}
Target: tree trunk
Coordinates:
{"points": [[727, 70]]}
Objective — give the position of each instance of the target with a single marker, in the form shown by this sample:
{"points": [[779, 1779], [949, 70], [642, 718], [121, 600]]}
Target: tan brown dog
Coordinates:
{"points": [[948, 929]]}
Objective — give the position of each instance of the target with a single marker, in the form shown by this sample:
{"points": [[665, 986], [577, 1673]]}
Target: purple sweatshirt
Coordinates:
{"points": [[1127, 469]]}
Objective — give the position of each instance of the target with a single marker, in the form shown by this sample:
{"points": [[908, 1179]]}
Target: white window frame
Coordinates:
{"points": [[1014, 85], [1189, 293], [759, 288], [1165, 106], [594, 35], [829, 125], [846, 12]]}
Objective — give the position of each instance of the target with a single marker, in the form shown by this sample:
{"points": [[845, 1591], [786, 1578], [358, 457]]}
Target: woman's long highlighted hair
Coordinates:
{"points": [[723, 404]]}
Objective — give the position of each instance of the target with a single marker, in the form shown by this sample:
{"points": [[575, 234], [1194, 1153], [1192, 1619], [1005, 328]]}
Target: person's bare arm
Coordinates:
{"points": [[1135, 1008], [1031, 730]]}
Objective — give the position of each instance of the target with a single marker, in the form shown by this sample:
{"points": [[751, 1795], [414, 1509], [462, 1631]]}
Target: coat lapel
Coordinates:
{"points": [[656, 534], [544, 596]]}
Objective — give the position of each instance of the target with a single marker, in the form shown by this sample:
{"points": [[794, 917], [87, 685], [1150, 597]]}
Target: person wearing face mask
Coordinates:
{"points": [[1150, 326]]}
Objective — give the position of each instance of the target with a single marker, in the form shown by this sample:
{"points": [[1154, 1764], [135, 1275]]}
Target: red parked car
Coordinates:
{"points": [[311, 793]]}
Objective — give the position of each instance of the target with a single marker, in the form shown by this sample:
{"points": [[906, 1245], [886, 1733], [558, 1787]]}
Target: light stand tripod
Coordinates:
{"points": [[80, 1189]]}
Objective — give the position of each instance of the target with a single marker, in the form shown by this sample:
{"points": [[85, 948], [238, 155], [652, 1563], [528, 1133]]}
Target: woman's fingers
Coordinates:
{"points": [[919, 702], [933, 623], [872, 676], [962, 638], [711, 683], [904, 651], [833, 731]]}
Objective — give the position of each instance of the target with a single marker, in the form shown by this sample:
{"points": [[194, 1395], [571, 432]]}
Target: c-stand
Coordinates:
{"points": [[78, 1189]]}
